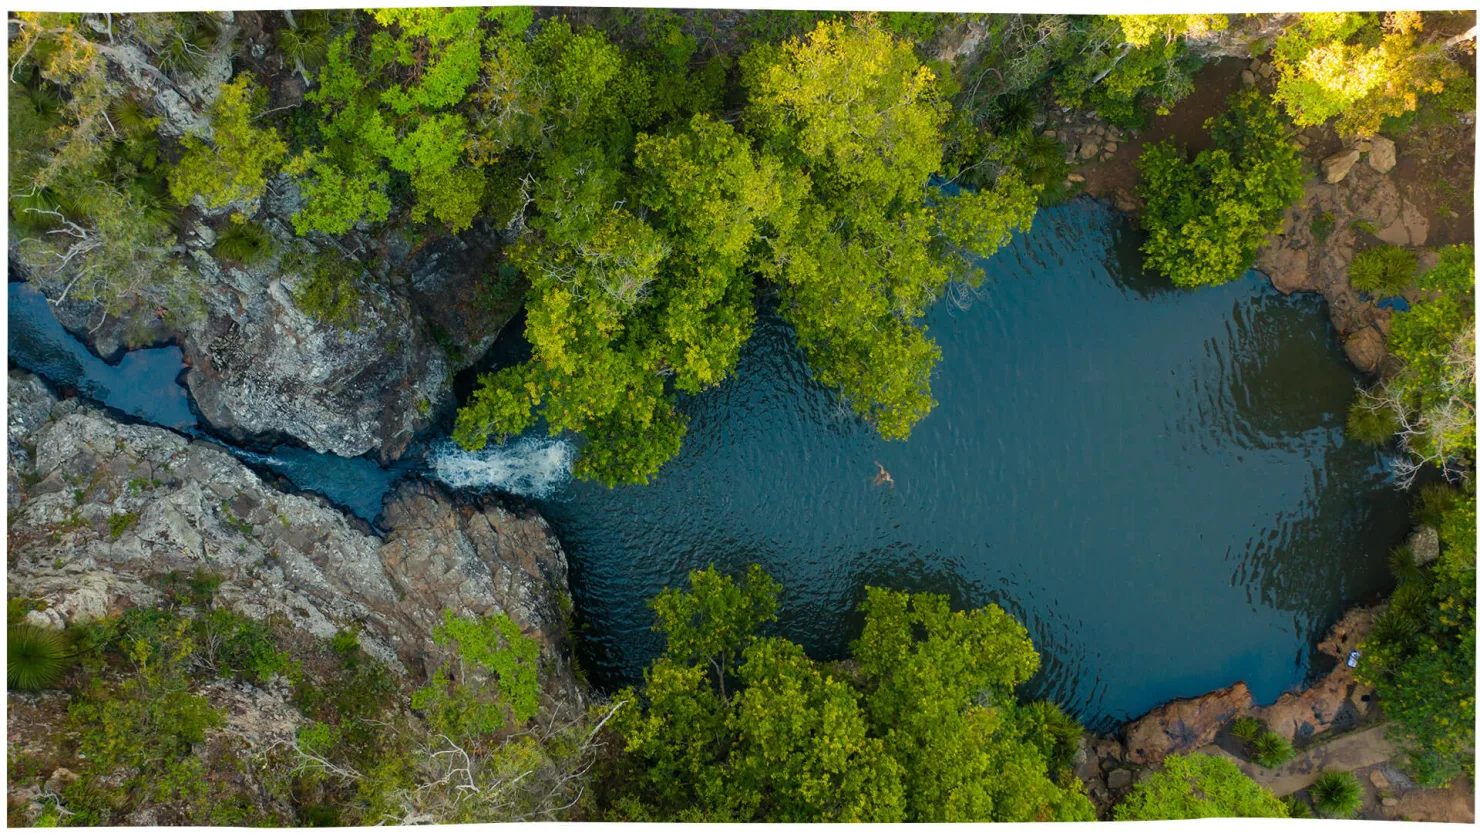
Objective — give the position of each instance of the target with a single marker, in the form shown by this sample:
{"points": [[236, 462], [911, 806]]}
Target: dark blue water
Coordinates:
{"points": [[145, 384], [1154, 481]]}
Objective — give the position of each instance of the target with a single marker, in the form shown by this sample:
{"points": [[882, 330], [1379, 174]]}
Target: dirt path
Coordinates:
{"points": [[1347, 753], [1183, 125]]}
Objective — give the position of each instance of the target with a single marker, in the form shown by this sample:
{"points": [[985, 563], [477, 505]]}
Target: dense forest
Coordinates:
{"points": [[655, 180]]}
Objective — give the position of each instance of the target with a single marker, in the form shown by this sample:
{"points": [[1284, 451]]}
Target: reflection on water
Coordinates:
{"points": [[143, 384], [1155, 481]]}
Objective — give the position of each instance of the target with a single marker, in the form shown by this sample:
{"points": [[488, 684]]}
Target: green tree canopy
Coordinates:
{"points": [[1205, 219], [864, 252], [642, 259], [236, 163], [1361, 68], [1198, 787], [923, 727]]}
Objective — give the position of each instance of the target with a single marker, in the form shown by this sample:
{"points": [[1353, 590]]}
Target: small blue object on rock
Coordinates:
{"points": [[1351, 659]]}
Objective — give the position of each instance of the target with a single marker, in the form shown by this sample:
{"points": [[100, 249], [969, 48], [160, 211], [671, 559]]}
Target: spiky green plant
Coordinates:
{"points": [[1297, 809], [307, 43], [1270, 750], [243, 243], [1385, 270], [1337, 794], [1369, 423], [1434, 500], [36, 657], [1246, 728], [1391, 629], [1402, 565], [1411, 600]]}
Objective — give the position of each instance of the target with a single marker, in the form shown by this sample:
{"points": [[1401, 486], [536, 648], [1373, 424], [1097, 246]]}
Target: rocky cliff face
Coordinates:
{"points": [[104, 514], [260, 368], [1320, 237]]}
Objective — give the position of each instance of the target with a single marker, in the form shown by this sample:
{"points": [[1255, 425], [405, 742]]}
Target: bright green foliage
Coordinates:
{"points": [[927, 728], [488, 646], [387, 102], [235, 164], [1246, 728], [714, 620], [1124, 65], [619, 304], [642, 275], [1337, 794], [1206, 219], [1421, 654], [1361, 67], [1384, 270], [35, 657], [1198, 787], [1432, 397], [940, 686], [1270, 750], [862, 254]]}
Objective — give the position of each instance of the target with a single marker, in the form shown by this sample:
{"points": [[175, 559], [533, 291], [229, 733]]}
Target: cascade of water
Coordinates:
{"points": [[530, 466]]}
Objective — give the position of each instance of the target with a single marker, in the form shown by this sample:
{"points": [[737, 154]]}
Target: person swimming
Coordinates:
{"points": [[883, 476]]}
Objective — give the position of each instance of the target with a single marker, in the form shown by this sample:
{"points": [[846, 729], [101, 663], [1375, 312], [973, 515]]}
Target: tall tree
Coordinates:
{"points": [[873, 242], [926, 729]]}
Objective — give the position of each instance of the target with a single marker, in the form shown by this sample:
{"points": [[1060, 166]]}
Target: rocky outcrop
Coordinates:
{"points": [[456, 288], [261, 370], [261, 367], [1335, 167], [1184, 725], [1318, 239], [110, 515]]}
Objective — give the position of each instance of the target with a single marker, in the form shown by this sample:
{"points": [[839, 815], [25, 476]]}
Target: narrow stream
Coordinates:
{"points": [[1155, 481]]}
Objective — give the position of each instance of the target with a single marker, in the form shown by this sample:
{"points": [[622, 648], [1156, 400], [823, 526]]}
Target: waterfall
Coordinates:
{"points": [[529, 466]]}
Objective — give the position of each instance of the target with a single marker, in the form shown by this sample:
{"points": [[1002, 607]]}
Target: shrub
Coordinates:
{"points": [[35, 657], [121, 523], [1337, 794], [1270, 750], [1246, 728], [244, 243], [1370, 423], [1297, 809], [329, 293], [1198, 786], [234, 165], [1323, 225], [1385, 270], [1054, 732], [1205, 219]]}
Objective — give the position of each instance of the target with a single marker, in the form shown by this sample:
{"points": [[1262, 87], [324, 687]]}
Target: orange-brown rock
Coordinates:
{"points": [[1184, 725]]}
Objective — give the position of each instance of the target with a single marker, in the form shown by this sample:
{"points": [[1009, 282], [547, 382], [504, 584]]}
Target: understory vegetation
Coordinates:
{"points": [[1198, 787], [922, 724], [655, 181]]}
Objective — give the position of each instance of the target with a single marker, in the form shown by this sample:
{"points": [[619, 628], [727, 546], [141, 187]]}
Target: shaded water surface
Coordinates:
{"points": [[1154, 481]]}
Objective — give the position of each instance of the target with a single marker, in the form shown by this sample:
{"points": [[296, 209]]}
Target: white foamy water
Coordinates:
{"points": [[529, 466]]}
